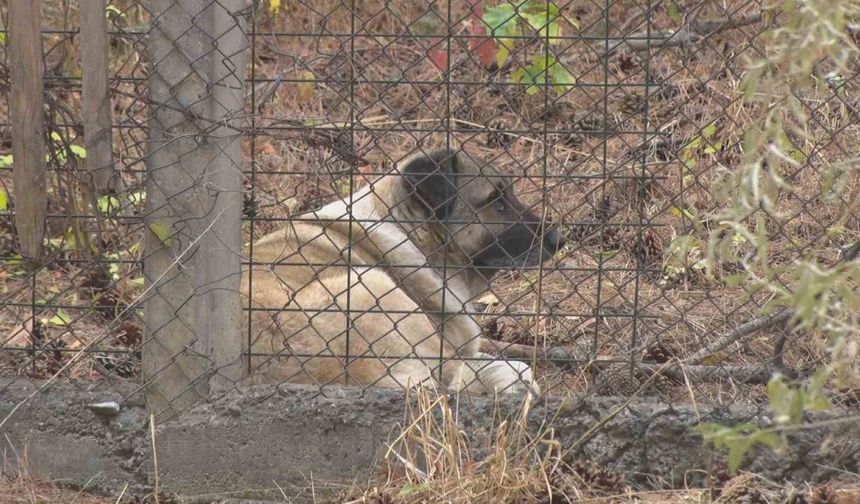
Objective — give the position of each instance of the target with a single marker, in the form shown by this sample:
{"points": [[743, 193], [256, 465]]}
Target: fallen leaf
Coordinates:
{"points": [[268, 149], [438, 54], [162, 232], [306, 86], [483, 46], [488, 299]]}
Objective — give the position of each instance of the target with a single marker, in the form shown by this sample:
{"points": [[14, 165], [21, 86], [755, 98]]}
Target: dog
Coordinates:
{"points": [[383, 298]]}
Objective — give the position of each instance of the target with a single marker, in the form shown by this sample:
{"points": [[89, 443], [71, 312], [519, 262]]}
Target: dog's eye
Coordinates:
{"points": [[497, 199]]}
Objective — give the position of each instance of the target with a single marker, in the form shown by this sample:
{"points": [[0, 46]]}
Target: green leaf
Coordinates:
{"points": [[544, 18], [738, 440], [412, 489], [535, 74], [789, 404], [734, 279], [113, 269], [341, 185], [672, 11], [79, 151], [137, 197], [61, 318], [503, 52], [797, 155], [4, 200], [108, 204], [2, 39], [136, 282], [69, 240], [501, 20], [113, 12], [6, 161], [709, 131], [692, 145], [525, 74], [713, 148], [15, 263], [562, 79], [162, 232], [750, 83], [274, 5]]}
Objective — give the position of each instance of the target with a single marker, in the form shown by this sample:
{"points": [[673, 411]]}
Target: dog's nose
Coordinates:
{"points": [[553, 239]]}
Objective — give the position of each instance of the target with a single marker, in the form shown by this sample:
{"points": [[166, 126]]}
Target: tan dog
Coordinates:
{"points": [[392, 309]]}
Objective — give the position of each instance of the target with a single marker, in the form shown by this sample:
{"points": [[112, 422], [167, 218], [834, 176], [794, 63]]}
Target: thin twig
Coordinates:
{"points": [[119, 499], [154, 453], [603, 421]]}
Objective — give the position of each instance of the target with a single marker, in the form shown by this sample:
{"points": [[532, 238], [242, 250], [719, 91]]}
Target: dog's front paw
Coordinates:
{"points": [[522, 388]]}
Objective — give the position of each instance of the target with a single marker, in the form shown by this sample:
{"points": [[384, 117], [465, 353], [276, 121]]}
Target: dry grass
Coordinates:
{"points": [[17, 487], [28, 491], [431, 460]]}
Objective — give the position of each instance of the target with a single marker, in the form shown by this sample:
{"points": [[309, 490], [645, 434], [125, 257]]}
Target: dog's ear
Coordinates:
{"points": [[432, 179]]}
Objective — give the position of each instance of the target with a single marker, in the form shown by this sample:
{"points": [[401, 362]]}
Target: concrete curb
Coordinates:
{"points": [[252, 440]]}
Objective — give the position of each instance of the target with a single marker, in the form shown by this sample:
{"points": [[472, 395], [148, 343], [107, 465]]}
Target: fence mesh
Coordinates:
{"points": [[479, 195]]}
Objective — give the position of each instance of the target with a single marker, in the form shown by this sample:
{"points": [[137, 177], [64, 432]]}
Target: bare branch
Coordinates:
{"points": [[781, 316], [753, 326], [676, 371], [739, 374], [690, 33]]}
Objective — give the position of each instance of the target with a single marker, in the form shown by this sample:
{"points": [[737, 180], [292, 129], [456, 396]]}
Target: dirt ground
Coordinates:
{"points": [[29, 491]]}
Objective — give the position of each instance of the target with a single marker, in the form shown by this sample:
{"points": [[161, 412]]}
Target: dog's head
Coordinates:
{"points": [[485, 222]]}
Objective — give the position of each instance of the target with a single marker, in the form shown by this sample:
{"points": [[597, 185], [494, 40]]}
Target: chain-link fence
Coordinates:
{"points": [[481, 196]]}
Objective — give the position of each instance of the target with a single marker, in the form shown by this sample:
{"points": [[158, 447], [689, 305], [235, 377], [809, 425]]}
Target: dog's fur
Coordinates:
{"points": [[422, 243]]}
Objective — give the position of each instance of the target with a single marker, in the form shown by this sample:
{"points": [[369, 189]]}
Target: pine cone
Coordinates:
{"points": [[505, 329], [616, 380], [119, 361], [650, 249], [823, 494], [632, 102], [130, 334], [717, 478], [742, 489], [795, 497], [598, 477], [619, 380], [658, 353]]}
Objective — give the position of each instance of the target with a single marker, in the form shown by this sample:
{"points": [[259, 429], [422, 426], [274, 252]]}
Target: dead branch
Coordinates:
{"points": [[740, 374], [690, 33], [781, 316], [555, 354], [753, 326], [677, 371]]}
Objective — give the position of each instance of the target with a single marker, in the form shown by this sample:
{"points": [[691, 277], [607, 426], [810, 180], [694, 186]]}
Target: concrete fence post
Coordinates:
{"points": [[193, 238]]}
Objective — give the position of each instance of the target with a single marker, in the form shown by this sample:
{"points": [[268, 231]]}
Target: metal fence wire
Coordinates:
{"points": [[481, 196]]}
